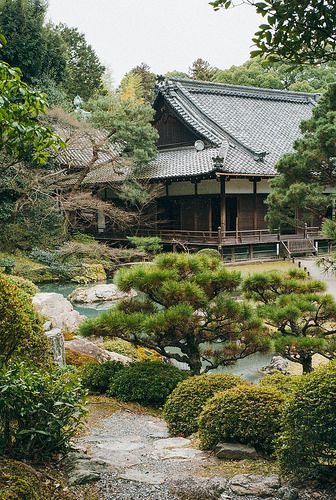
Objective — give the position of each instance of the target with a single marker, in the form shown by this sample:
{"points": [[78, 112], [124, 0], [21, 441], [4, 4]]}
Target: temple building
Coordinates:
{"points": [[217, 150]]}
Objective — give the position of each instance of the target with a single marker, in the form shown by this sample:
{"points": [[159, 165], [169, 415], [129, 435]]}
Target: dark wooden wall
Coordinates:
{"points": [[201, 212], [172, 132]]}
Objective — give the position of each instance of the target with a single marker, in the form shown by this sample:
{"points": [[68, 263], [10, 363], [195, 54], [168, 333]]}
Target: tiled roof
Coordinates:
{"points": [[187, 162], [260, 125]]}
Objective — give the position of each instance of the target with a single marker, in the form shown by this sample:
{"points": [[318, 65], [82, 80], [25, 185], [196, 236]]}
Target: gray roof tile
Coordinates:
{"points": [[255, 122]]}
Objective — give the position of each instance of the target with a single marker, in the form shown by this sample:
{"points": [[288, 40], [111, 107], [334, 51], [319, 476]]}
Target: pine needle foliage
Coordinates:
{"points": [[185, 311], [303, 319]]}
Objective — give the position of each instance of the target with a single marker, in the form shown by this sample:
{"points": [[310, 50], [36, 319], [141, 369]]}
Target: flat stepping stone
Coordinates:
{"points": [[142, 477], [176, 442]]}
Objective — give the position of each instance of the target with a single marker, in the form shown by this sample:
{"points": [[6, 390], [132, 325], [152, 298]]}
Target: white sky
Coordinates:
{"points": [[166, 34]]}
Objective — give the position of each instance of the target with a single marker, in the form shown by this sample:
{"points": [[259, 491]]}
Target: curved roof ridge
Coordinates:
{"points": [[242, 89], [206, 124]]}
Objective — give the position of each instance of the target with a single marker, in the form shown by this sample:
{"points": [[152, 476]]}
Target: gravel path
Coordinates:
{"points": [[143, 462], [131, 457]]}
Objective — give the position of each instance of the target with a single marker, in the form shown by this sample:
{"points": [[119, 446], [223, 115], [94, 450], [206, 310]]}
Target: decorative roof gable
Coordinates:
{"points": [[260, 125]]}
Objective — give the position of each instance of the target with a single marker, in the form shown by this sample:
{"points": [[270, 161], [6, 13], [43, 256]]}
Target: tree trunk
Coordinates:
{"points": [[195, 365], [307, 364]]}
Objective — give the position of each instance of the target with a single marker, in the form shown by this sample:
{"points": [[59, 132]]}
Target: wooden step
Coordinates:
{"points": [[301, 246]]}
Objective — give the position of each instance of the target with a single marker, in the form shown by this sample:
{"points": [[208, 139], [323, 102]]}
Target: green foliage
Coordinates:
{"points": [[7, 264], [268, 287], [148, 382], [21, 135], [186, 402], [298, 31], [23, 284], [244, 414], [303, 321], [40, 411], [307, 446], [255, 73], [329, 230], [201, 70], [305, 326], [184, 304], [97, 377], [21, 330], [138, 84], [34, 47], [129, 122], [286, 384], [150, 244], [84, 72], [308, 171]]}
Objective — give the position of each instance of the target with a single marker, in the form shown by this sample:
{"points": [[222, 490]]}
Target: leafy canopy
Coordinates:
{"points": [[21, 135], [33, 46], [308, 171], [185, 312], [300, 31]]}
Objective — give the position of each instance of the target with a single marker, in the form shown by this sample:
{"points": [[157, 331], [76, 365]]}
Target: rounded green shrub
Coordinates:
{"points": [[97, 377], [244, 414], [21, 328], [147, 382], [186, 402], [284, 383], [23, 284], [307, 445], [40, 410]]}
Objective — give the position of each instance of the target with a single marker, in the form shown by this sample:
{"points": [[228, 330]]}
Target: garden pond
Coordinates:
{"points": [[249, 368]]}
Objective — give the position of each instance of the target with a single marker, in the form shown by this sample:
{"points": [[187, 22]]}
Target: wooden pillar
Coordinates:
{"points": [[222, 205], [210, 214], [255, 205]]}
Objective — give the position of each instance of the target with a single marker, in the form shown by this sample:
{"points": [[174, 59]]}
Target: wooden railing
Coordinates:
{"points": [[218, 237]]}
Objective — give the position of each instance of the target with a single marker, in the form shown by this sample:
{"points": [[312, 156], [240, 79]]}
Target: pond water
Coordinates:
{"points": [[249, 368]]}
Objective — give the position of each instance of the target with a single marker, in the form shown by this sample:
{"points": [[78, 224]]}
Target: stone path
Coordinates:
{"points": [[136, 460]]}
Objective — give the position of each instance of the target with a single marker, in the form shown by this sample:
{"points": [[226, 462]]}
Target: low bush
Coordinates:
{"points": [[98, 377], [244, 414], [125, 348], [23, 284], [307, 446], [120, 346], [146, 382], [150, 244], [21, 329], [40, 411], [284, 383], [186, 402]]}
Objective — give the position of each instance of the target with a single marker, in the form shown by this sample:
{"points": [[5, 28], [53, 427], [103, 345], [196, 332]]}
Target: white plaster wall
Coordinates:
{"points": [[208, 186], [264, 186], [181, 188], [239, 186]]}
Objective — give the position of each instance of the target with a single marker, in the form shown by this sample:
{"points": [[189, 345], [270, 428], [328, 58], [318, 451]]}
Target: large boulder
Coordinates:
{"points": [[85, 348], [277, 364], [99, 293], [255, 486], [58, 310]]}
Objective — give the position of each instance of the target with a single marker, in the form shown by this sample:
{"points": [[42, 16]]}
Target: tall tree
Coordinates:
{"points": [[278, 76], [201, 70], [185, 313], [299, 31], [147, 79], [306, 173], [84, 71], [127, 121], [37, 49], [25, 144]]}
